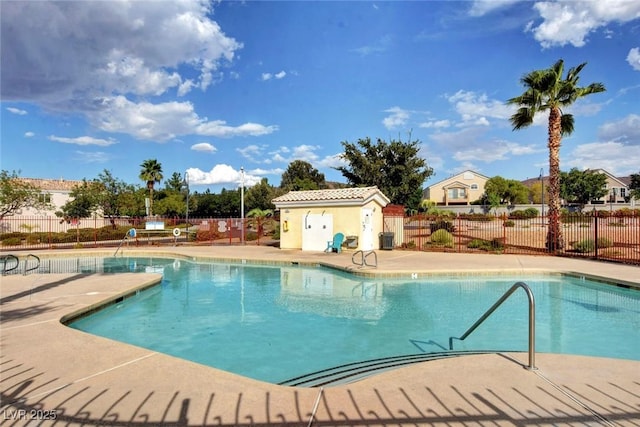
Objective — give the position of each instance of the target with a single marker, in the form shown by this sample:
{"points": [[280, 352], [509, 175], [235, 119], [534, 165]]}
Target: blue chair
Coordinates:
{"points": [[335, 245]]}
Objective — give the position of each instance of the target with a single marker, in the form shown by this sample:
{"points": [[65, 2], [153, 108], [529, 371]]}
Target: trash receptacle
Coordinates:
{"points": [[386, 241]]}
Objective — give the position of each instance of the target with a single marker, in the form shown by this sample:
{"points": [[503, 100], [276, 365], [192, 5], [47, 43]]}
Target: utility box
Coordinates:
{"points": [[386, 241]]}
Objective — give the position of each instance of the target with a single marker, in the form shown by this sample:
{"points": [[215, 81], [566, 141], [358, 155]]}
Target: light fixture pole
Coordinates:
{"points": [[242, 205], [542, 196], [186, 184]]}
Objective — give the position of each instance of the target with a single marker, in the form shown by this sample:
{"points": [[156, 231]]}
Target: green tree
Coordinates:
{"points": [[172, 204], [301, 175], [394, 167], [17, 194], [634, 186], [505, 191], [151, 173], [260, 195], [84, 201], [581, 187], [547, 90], [175, 183]]}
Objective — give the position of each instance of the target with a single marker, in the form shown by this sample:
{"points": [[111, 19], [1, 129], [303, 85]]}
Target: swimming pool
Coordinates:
{"points": [[273, 323]]}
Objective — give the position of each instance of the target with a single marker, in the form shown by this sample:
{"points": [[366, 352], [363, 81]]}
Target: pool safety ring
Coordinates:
{"points": [[132, 233], [176, 232]]}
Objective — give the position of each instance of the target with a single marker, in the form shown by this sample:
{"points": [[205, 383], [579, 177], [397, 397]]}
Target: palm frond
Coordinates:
{"points": [[566, 124]]}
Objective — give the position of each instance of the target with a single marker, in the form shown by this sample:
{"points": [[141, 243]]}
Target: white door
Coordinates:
{"points": [[366, 236], [317, 230]]}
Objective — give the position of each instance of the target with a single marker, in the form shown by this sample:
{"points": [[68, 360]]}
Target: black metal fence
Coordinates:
{"points": [[604, 237]]}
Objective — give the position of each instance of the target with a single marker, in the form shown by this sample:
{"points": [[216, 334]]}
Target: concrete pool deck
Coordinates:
{"points": [[48, 370]]}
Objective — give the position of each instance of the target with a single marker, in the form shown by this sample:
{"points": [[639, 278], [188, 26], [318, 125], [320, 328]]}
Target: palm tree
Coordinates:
{"points": [[546, 90], [151, 173]]}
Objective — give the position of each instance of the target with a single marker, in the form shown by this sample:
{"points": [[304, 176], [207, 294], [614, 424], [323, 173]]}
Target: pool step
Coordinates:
{"points": [[355, 371]]}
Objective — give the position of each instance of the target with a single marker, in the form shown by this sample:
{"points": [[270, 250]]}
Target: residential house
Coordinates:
{"points": [[55, 191], [617, 188], [460, 189]]}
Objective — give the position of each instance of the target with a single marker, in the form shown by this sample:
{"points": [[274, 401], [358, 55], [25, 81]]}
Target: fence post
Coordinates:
{"points": [[595, 231]]}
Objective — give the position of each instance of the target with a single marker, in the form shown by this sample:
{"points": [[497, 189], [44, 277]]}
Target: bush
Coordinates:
{"points": [[442, 237], [525, 214], [477, 217], [486, 245], [12, 241], [589, 245], [442, 225], [509, 223]]}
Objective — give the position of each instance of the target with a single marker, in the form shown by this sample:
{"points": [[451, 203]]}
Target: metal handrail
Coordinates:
{"points": [[363, 256], [5, 259], [26, 263], [532, 321]]}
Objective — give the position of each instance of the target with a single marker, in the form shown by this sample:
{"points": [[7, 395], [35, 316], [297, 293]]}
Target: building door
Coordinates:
{"points": [[317, 230], [366, 238]]}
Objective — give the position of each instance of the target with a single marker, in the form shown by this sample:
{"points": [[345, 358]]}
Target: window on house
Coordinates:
{"points": [[44, 197], [474, 186], [456, 193]]}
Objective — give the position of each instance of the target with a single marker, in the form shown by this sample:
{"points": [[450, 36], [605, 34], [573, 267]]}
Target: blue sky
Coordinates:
{"points": [[209, 88]]}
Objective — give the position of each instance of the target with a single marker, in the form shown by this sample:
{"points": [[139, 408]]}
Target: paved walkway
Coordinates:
{"points": [[48, 370]]}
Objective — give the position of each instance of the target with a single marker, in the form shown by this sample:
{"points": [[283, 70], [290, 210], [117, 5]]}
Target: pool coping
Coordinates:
{"points": [[477, 389]]}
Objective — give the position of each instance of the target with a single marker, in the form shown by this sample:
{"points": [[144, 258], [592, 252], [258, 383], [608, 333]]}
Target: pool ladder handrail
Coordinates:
{"points": [[126, 237], [5, 260], [26, 264], [532, 321], [363, 260]]}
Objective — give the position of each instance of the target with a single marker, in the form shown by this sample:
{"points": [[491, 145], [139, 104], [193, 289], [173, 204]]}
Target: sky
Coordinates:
{"points": [[226, 90]]}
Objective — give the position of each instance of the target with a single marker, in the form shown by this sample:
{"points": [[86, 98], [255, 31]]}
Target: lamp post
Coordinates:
{"points": [[242, 205], [186, 184], [542, 195], [612, 198]]}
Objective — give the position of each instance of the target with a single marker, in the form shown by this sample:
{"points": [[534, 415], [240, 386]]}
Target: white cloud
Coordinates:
{"points": [[436, 124], [469, 144], [205, 147], [570, 22], [222, 174], [474, 108], [162, 122], [379, 46], [633, 58], [626, 130], [254, 153], [614, 157], [29, 134], [53, 54], [17, 111], [92, 157], [398, 118], [277, 76], [483, 7], [84, 140]]}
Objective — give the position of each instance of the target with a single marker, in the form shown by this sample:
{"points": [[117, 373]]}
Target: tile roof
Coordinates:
{"points": [[52, 184], [339, 194]]}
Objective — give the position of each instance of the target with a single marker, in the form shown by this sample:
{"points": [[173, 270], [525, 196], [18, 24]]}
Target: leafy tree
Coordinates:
{"points": [[260, 195], [634, 186], [17, 194], [507, 191], [535, 192], [547, 90], [175, 183], [581, 187], [173, 204], [301, 175], [394, 167], [84, 202], [151, 173]]}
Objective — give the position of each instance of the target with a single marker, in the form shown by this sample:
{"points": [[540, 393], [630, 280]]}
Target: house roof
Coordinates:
{"points": [[52, 184], [339, 196], [459, 176]]}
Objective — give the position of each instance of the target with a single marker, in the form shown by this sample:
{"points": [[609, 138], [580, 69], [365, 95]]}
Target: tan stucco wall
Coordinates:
{"points": [[437, 193], [346, 220]]}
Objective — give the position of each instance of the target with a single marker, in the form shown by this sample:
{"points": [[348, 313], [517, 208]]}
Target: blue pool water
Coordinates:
{"points": [[273, 323]]}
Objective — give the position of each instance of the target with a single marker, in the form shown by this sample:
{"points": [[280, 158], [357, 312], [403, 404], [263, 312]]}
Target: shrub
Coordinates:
{"points": [[442, 225], [589, 245], [486, 245], [509, 223], [442, 237], [477, 217], [11, 241]]}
